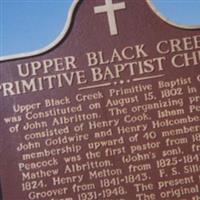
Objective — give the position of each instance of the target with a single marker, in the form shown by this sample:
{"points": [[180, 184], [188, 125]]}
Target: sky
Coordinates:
{"points": [[28, 25]]}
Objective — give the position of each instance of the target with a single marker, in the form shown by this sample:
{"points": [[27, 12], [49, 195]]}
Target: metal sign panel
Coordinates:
{"points": [[110, 111]]}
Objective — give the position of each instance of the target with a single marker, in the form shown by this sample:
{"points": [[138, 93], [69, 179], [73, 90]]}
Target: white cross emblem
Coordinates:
{"points": [[110, 9]]}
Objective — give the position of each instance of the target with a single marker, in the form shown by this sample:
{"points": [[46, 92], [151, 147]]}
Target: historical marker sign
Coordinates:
{"points": [[111, 112]]}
